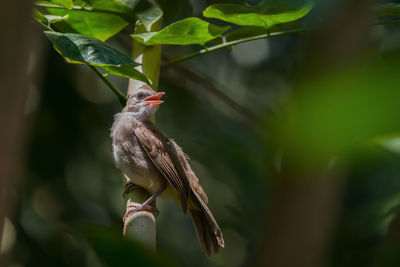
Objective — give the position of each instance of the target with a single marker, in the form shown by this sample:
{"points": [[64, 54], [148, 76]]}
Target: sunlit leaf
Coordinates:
{"points": [[184, 32], [65, 3], [79, 48], [97, 25], [125, 6], [266, 14], [150, 16], [39, 16]]}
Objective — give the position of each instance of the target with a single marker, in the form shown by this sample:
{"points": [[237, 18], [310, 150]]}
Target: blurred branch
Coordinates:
{"points": [[386, 22], [209, 85], [121, 97], [306, 194], [225, 44], [16, 48], [203, 81], [141, 225]]}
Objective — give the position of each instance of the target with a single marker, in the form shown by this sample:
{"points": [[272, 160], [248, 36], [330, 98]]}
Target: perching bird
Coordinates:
{"points": [[156, 163]]}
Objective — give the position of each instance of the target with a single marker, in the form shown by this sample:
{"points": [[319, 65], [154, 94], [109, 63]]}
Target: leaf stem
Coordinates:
{"points": [[121, 97], [47, 27], [231, 43], [225, 44], [385, 22]]}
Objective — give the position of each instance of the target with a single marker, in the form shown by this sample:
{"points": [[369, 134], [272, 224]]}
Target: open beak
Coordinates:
{"points": [[154, 99]]}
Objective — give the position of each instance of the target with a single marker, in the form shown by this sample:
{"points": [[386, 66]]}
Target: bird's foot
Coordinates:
{"points": [[133, 208], [129, 187]]}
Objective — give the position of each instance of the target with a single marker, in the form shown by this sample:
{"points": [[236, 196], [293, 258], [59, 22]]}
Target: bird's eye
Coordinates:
{"points": [[140, 96]]}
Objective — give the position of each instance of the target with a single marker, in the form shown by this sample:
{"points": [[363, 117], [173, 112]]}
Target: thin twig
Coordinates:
{"points": [[385, 22], [47, 27], [209, 85], [121, 97], [231, 43], [225, 44]]}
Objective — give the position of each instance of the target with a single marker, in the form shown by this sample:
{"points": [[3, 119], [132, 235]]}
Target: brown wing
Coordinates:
{"points": [[193, 180], [158, 148]]}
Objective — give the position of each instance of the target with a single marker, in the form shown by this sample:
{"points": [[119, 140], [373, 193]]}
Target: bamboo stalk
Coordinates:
{"points": [[141, 226]]}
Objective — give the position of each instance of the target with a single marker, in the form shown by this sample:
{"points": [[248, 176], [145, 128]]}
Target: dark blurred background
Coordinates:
{"points": [[65, 209]]}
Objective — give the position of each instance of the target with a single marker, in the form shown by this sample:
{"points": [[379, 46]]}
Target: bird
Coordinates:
{"points": [[153, 161]]}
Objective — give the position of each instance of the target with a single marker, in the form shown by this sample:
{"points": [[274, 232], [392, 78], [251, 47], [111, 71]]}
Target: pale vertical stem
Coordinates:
{"points": [[142, 225]]}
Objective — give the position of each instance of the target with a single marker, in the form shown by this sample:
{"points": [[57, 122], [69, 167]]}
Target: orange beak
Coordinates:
{"points": [[154, 99]]}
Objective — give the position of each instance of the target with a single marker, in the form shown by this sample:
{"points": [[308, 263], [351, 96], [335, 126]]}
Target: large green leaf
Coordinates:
{"points": [[46, 19], [76, 48], [92, 24], [184, 32], [64, 3], [79, 48], [121, 6], [266, 14]]}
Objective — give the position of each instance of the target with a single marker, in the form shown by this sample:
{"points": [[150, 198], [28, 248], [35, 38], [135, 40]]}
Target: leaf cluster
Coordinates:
{"points": [[83, 27]]}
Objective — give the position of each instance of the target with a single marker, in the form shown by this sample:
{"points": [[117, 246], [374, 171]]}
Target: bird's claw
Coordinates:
{"points": [[129, 187], [133, 208]]}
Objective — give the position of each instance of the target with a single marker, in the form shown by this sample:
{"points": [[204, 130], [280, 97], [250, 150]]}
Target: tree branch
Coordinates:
{"points": [[121, 97], [253, 38], [209, 85]]}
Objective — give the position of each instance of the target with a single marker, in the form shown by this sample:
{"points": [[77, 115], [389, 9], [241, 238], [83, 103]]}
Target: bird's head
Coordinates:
{"points": [[143, 102]]}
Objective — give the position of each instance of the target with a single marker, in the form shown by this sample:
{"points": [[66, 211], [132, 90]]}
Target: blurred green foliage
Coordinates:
{"points": [[70, 200]]}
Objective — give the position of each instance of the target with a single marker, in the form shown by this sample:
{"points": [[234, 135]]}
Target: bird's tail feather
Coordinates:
{"points": [[207, 229]]}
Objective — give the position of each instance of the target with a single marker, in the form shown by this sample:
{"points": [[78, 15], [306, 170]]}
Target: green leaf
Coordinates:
{"points": [[39, 16], [46, 19], [78, 48], [390, 9], [266, 14], [65, 3], [47, 3], [127, 72], [92, 24], [184, 32], [125, 6], [149, 17]]}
